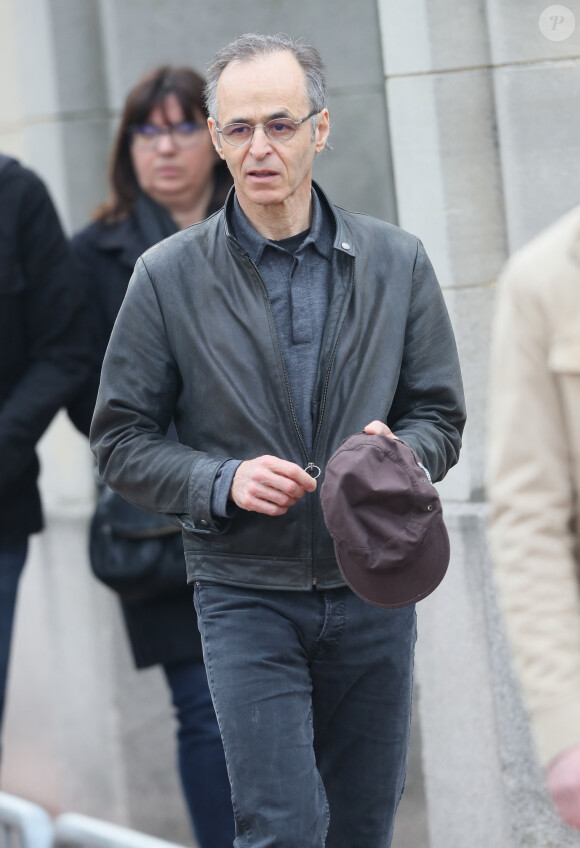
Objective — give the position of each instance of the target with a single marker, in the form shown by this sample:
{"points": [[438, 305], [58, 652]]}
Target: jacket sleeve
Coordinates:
{"points": [[428, 409], [86, 262], [54, 321], [138, 393], [533, 527]]}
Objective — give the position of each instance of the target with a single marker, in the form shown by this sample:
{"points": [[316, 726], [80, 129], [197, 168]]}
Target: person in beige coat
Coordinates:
{"points": [[534, 487]]}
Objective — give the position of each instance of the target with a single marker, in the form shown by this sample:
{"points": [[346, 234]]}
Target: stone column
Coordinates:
{"points": [[483, 153]]}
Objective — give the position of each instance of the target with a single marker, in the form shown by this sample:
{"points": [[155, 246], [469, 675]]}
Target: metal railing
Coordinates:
{"points": [[72, 830], [27, 825], [24, 824]]}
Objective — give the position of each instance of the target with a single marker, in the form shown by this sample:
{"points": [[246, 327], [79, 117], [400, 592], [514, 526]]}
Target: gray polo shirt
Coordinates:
{"points": [[296, 272]]}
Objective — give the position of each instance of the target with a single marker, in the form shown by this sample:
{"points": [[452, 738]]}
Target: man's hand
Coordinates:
{"points": [[269, 485], [563, 778], [377, 428]]}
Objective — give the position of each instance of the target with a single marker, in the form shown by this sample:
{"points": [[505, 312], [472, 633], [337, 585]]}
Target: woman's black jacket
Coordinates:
{"points": [[164, 629]]}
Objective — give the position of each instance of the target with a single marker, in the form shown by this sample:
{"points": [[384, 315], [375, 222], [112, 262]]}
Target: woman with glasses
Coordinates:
{"points": [[164, 176]]}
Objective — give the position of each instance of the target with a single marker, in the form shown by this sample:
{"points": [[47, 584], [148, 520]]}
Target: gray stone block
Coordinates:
{"points": [[484, 787], [411, 829], [191, 31], [471, 311], [516, 36], [9, 75], [147, 740], [51, 59], [60, 731], [41, 149], [78, 56], [433, 35], [447, 173], [357, 171], [85, 145], [460, 757], [34, 57], [538, 133]]}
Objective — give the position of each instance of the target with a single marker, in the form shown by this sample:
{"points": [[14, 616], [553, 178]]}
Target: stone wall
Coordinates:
{"points": [[83, 730], [459, 120], [484, 142]]}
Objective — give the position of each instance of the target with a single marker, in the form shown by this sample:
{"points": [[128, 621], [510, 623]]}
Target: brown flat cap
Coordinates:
{"points": [[386, 521]]}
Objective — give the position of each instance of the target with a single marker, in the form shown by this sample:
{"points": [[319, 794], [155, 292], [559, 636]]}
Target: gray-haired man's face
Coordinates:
{"points": [[268, 173]]}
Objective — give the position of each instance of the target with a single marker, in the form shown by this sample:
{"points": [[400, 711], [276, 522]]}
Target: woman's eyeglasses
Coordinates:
{"points": [[184, 134]]}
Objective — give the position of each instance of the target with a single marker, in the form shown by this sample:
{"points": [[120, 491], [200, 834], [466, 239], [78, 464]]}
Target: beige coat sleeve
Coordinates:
{"points": [[534, 448]]}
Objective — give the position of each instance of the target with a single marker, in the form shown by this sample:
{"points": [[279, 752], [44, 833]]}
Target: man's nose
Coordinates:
{"points": [[260, 144]]}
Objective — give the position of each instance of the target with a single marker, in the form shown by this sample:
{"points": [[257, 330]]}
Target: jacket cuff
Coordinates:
{"points": [[200, 518], [221, 507], [420, 461]]}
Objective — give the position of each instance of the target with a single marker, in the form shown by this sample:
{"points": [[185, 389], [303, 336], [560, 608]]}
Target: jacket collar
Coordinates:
{"points": [[318, 235], [123, 238], [343, 240], [147, 224]]}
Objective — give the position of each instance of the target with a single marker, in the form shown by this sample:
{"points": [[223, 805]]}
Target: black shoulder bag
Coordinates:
{"points": [[136, 553]]}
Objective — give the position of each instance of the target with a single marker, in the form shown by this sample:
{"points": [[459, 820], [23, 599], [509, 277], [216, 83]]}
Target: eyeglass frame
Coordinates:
{"points": [[265, 128], [133, 130]]}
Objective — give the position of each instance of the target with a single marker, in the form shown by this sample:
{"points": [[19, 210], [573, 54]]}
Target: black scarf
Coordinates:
{"points": [[153, 220]]}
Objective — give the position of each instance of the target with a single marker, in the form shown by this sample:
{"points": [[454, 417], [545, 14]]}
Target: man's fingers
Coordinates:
{"points": [[277, 497], [296, 480], [379, 428], [269, 485]]}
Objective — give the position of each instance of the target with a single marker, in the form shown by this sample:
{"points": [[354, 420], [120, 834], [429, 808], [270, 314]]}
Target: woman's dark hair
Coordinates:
{"points": [[151, 92]]}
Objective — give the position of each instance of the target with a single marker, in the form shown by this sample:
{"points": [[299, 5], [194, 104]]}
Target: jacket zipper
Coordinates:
{"points": [[328, 370], [311, 468], [321, 415]]}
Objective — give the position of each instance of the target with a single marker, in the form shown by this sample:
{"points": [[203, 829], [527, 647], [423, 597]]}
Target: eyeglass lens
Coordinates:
{"points": [[278, 129], [184, 134]]}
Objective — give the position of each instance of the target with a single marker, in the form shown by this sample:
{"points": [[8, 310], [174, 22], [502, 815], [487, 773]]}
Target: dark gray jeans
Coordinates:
{"points": [[312, 691]]}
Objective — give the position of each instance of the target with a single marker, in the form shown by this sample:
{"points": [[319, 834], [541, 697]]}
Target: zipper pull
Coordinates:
{"points": [[313, 470]]}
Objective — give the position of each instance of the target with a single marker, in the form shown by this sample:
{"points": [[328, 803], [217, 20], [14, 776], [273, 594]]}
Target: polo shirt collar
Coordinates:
{"points": [[320, 235]]}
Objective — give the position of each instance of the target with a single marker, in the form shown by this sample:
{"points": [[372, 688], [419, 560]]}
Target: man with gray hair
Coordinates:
{"points": [[269, 333]]}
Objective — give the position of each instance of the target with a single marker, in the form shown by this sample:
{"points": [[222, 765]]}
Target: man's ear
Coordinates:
{"points": [[322, 131], [215, 137]]}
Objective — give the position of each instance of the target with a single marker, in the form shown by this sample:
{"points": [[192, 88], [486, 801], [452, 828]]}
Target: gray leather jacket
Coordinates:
{"points": [[195, 340]]}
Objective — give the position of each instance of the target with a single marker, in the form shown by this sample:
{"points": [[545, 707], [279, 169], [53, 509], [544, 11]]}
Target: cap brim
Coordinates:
{"points": [[392, 588]]}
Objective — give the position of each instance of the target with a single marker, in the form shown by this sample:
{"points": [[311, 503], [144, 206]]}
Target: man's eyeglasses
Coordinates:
{"points": [[278, 129], [147, 136]]}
